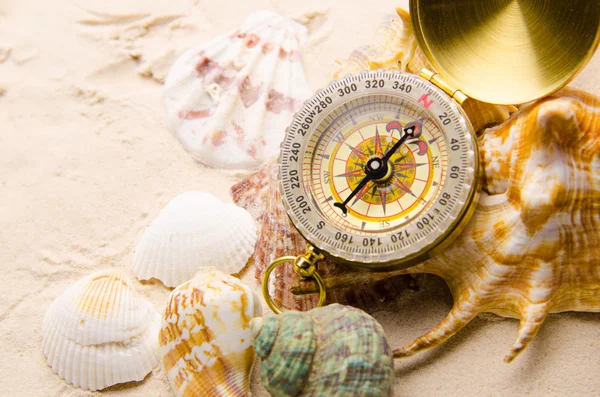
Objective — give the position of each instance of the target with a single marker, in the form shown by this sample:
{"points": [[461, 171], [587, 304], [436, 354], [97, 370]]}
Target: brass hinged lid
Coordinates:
{"points": [[507, 51]]}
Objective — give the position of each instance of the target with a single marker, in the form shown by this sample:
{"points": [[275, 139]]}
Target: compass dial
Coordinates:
{"points": [[378, 169]]}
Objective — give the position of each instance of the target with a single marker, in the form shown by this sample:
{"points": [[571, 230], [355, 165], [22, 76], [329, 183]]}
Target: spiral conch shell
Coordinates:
{"points": [[329, 351], [395, 47], [532, 246], [230, 100], [205, 339], [101, 332]]}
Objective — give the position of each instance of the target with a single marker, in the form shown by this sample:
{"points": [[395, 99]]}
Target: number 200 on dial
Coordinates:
{"points": [[358, 194]]}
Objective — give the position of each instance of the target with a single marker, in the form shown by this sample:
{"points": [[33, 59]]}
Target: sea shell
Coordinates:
{"points": [[532, 246], [260, 195], [395, 47], [101, 332], [195, 230], [230, 100], [330, 351], [206, 340]]}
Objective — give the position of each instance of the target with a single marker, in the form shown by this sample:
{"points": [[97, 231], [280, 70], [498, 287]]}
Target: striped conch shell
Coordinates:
{"points": [[395, 47], [101, 332], [532, 246], [330, 351], [205, 339]]}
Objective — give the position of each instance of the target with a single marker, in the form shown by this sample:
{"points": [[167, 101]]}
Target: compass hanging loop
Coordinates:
{"points": [[305, 266]]}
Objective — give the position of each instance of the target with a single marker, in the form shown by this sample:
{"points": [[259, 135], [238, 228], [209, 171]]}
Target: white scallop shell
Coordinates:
{"points": [[206, 339], [230, 100], [101, 332], [195, 230]]}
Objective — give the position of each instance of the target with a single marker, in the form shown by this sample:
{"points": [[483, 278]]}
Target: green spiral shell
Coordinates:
{"points": [[330, 351]]}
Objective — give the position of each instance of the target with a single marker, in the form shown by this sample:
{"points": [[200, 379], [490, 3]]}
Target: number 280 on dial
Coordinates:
{"points": [[378, 169]]}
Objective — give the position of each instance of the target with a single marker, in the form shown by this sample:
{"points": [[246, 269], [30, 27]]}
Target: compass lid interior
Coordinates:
{"points": [[507, 51]]}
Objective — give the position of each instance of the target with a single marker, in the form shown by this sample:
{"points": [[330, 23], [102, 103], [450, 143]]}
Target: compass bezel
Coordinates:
{"points": [[297, 196]]}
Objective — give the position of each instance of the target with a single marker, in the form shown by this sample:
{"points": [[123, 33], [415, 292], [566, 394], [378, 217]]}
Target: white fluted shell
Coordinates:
{"points": [[194, 231], [206, 339], [230, 100], [101, 332]]}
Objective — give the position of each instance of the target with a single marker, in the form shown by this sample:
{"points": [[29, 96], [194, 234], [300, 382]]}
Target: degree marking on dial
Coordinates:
{"points": [[426, 101]]}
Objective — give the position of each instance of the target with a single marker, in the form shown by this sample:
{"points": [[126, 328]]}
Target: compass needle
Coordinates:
{"points": [[360, 194]]}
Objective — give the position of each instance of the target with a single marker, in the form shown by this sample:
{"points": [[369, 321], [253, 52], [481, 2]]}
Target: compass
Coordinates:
{"points": [[380, 170], [377, 168]]}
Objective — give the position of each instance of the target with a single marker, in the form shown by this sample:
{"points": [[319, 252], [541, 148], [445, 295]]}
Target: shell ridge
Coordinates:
{"points": [[218, 114], [95, 320], [358, 368], [205, 338], [289, 360], [194, 231], [454, 321]]}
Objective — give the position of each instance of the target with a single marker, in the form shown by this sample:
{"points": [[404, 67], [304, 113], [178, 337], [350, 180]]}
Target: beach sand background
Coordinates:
{"points": [[86, 163]]}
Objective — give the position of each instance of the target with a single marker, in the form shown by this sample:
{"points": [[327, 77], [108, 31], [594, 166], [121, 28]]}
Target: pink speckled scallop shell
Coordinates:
{"points": [[230, 100]]}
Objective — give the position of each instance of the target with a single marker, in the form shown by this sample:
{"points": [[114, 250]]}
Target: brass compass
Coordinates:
{"points": [[380, 170]]}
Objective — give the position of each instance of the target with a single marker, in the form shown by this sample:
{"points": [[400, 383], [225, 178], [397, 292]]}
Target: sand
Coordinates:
{"points": [[86, 163]]}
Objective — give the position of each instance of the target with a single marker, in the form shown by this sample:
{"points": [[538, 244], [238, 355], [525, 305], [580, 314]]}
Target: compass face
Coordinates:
{"points": [[378, 169]]}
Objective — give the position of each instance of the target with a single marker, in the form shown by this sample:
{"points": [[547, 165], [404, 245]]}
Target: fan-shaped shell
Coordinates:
{"points": [[230, 100], [195, 230], [101, 332], [206, 340], [329, 351]]}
